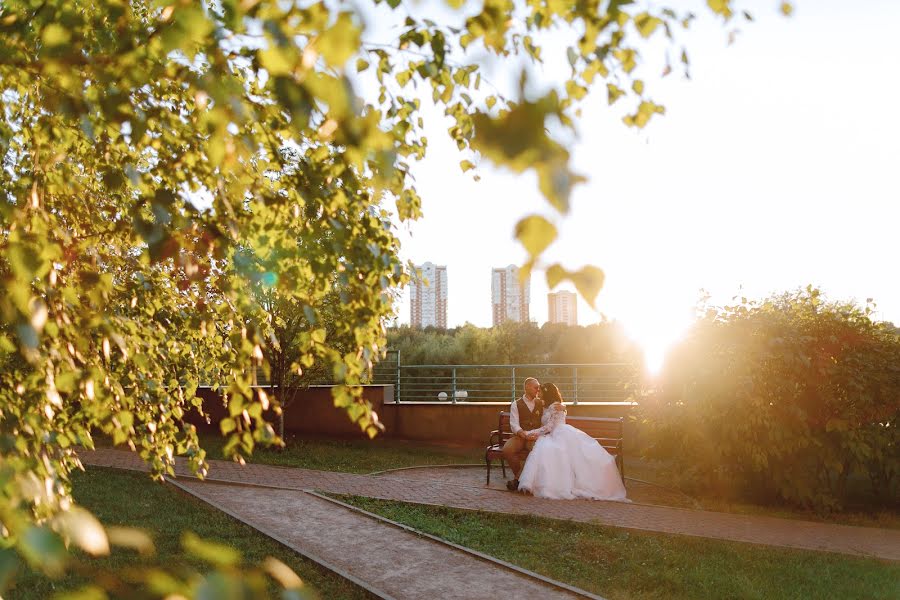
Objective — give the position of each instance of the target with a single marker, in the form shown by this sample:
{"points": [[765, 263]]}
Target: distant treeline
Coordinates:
{"points": [[514, 343]]}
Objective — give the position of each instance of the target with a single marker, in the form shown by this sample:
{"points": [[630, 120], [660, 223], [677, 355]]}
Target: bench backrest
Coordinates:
{"points": [[608, 431]]}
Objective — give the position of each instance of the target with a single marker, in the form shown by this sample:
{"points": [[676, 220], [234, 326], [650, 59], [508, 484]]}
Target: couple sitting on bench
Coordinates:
{"points": [[563, 461]]}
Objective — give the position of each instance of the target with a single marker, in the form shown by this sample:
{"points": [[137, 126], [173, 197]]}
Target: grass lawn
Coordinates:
{"points": [[134, 500], [855, 513], [352, 456], [616, 563], [366, 456]]}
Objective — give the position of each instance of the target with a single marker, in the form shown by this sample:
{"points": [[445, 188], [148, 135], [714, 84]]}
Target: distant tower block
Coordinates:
{"points": [[428, 297], [510, 296], [562, 307]]}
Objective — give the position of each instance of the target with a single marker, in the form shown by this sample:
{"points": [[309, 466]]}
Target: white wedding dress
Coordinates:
{"points": [[567, 463]]}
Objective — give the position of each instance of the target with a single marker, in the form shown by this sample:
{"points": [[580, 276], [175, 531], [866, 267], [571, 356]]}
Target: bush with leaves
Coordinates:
{"points": [[514, 343], [782, 399], [147, 146]]}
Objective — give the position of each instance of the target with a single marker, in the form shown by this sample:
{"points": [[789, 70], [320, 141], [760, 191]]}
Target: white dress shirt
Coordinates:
{"points": [[514, 413]]}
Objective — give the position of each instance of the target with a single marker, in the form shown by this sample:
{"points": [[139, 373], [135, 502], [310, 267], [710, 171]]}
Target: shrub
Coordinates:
{"points": [[782, 399]]}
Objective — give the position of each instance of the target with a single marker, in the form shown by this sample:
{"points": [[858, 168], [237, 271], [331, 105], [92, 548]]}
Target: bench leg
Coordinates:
{"points": [[487, 461]]}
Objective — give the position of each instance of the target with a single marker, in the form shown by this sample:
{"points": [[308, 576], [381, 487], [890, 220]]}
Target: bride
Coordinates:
{"points": [[566, 462]]}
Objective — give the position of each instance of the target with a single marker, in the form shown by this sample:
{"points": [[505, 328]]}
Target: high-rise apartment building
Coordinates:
{"points": [[562, 307], [428, 297], [510, 296]]}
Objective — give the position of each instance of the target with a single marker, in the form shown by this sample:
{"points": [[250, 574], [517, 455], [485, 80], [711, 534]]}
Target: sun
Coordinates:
{"points": [[656, 332]]}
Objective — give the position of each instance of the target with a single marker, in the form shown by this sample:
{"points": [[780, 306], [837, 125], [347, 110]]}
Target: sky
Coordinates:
{"points": [[775, 167]]}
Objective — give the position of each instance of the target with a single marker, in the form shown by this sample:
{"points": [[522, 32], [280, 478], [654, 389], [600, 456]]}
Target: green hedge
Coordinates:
{"points": [[785, 399]]}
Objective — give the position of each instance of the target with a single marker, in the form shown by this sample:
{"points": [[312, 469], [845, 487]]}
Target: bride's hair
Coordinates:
{"points": [[550, 394]]}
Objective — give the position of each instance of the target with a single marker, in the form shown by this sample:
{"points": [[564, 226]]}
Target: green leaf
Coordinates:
{"points": [[129, 537], [83, 529], [535, 233], [54, 35], [588, 281], [341, 41], [227, 425], [44, 550], [276, 61], [216, 554], [466, 165]]}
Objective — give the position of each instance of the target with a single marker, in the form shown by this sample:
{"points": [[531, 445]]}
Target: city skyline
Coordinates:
{"points": [[794, 192], [510, 299]]}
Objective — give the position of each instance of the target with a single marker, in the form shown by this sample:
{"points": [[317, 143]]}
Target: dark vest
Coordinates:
{"points": [[529, 420]]}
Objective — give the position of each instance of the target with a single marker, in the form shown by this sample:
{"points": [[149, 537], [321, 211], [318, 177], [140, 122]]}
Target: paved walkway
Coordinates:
{"points": [[383, 558], [845, 539]]}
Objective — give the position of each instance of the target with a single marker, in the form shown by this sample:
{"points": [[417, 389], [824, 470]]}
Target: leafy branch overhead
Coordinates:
{"points": [[169, 166]]}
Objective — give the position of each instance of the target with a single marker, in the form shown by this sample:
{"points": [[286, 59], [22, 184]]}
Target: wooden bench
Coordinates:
{"points": [[607, 431]]}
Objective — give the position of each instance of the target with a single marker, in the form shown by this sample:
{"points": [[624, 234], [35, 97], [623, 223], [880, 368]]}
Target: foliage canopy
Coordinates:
{"points": [[163, 161]]}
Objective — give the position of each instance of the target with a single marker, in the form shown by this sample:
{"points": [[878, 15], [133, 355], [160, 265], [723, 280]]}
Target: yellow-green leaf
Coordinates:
{"points": [[646, 24], [613, 92], [339, 42], [627, 57], [129, 537], [227, 425], [83, 529], [535, 233], [54, 35], [555, 274], [720, 7], [276, 61], [211, 552], [588, 281]]}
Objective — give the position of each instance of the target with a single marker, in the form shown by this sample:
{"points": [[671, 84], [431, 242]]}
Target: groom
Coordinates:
{"points": [[524, 415]]}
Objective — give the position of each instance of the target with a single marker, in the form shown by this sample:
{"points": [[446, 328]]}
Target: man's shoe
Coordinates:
{"points": [[513, 485]]}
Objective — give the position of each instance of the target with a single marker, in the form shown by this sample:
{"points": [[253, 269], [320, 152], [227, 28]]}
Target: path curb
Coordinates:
{"points": [[475, 553], [304, 553]]}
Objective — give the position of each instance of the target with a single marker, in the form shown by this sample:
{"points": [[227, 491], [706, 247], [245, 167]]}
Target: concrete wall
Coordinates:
{"points": [[469, 423]]}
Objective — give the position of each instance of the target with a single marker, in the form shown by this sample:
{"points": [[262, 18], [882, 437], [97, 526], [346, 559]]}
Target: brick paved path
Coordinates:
{"points": [[845, 539], [387, 560]]}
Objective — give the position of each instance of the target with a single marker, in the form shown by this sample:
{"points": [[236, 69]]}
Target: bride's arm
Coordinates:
{"points": [[556, 419]]}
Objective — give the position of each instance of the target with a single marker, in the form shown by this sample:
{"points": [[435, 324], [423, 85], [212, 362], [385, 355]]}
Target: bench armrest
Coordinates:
{"points": [[495, 434]]}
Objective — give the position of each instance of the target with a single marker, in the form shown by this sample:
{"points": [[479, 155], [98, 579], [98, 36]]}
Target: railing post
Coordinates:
{"points": [[575, 382], [397, 389], [513, 384], [454, 385]]}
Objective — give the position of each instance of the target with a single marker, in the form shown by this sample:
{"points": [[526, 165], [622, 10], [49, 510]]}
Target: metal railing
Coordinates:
{"points": [[607, 382]]}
